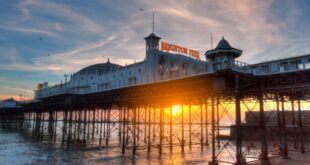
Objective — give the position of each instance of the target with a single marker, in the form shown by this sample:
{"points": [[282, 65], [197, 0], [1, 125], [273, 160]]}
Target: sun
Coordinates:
{"points": [[176, 109]]}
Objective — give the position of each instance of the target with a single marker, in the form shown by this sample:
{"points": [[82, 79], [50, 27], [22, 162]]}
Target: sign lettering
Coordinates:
{"points": [[175, 48]]}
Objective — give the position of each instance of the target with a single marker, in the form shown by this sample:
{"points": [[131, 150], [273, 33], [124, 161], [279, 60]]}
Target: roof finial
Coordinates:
{"points": [[223, 38], [108, 60]]}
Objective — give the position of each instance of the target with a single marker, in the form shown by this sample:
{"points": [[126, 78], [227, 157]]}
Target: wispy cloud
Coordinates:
{"points": [[84, 48], [15, 92], [16, 89], [16, 97], [85, 33], [244, 25], [58, 26], [28, 30], [61, 11]]}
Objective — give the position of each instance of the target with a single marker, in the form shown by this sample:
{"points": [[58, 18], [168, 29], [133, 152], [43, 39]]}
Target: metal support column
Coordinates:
{"points": [[279, 118], [149, 131], [100, 131], [213, 160], [293, 123], [201, 126], [134, 130], [94, 121], [264, 147], [207, 131], [301, 131], [190, 124], [161, 131], [170, 124], [218, 122], [283, 121], [182, 129], [124, 131]]}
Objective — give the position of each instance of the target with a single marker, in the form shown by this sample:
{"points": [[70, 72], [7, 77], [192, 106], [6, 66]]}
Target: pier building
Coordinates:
{"points": [[173, 98]]}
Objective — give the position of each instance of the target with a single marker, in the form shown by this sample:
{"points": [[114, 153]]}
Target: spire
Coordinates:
{"points": [[153, 23], [152, 41], [108, 60]]}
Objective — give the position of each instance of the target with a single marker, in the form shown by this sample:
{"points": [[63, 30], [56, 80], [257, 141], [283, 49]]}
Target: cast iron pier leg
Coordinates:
{"points": [[239, 156], [182, 129], [207, 131], [264, 147], [201, 126], [213, 161], [301, 131], [279, 118]]}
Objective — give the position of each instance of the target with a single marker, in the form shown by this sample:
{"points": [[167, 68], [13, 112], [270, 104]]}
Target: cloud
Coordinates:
{"points": [[15, 97], [61, 11], [58, 27], [24, 10], [15, 86], [85, 48], [85, 36], [15, 89], [253, 26], [8, 91], [81, 56], [29, 30], [246, 27]]}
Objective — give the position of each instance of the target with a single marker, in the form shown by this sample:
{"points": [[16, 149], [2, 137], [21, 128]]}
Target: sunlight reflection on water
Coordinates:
{"points": [[19, 149]]}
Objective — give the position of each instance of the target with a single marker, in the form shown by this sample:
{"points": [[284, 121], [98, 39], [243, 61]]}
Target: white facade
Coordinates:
{"points": [[282, 65], [160, 66], [157, 66]]}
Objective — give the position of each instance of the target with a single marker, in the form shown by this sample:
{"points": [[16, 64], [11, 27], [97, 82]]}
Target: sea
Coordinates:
{"points": [[17, 148]]}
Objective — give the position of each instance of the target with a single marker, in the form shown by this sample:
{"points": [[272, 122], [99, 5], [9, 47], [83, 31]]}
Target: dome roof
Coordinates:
{"points": [[101, 67]]}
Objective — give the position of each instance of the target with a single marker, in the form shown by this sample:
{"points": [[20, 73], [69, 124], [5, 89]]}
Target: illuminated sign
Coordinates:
{"points": [[170, 47]]}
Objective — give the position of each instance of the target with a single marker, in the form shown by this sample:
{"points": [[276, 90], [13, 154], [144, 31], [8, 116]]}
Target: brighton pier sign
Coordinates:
{"points": [[175, 48]]}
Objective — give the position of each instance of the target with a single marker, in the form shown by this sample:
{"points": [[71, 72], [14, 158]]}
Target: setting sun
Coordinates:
{"points": [[176, 109]]}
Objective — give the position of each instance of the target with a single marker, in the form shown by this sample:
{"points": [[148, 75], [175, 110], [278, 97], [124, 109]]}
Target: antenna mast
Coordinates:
{"points": [[211, 41], [153, 23]]}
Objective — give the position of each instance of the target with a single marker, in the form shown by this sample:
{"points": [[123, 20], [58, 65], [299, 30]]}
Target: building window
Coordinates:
{"points": [[132, 80], [283, 66], [300, 66], [265, 68]]}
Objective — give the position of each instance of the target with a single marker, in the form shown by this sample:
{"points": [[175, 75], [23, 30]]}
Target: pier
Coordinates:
{"points": [[177, 113]]}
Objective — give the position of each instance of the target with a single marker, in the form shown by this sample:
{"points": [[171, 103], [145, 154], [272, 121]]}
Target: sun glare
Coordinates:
{"points": [[176, 109]]}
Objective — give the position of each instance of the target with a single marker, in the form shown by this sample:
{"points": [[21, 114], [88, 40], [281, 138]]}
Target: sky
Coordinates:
{"points": [[42, 40]]}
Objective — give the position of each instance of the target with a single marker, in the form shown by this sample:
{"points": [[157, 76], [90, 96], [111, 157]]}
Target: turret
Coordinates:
{"points": [[152, 58], [223, 56], [152, 42]]}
